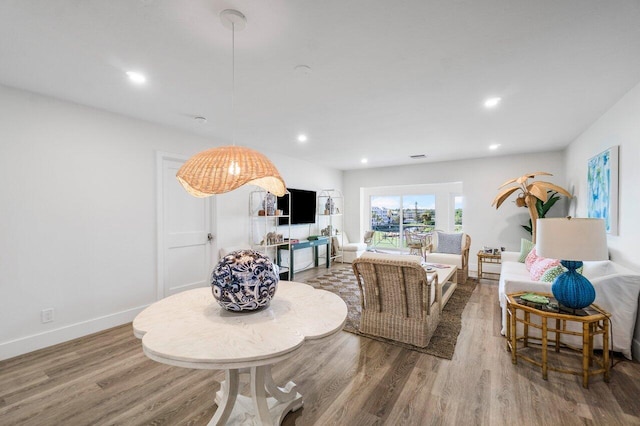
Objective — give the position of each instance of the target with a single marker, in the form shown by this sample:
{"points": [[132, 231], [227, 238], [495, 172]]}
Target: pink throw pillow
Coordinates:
{"points": [[540, 266], [531, 258]]}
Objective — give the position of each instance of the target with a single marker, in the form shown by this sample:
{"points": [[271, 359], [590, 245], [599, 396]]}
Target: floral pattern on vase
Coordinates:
{"points": [[244, 280]]}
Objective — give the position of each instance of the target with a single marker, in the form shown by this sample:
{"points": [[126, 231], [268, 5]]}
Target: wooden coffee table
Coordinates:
{"points": [[191, 330], [447, 281]]}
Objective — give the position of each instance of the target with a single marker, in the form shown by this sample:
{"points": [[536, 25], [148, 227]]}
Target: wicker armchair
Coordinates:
{"points": [[399, 301]]}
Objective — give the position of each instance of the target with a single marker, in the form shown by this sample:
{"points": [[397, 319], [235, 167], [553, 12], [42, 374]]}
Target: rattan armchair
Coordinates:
{"points": [[399, 300]]}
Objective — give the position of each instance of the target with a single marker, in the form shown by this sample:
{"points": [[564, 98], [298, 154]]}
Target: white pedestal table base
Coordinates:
{"points": [[267, 405]]}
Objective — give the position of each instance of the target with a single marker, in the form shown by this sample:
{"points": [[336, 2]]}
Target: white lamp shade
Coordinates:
{"points": [[571, 239]]}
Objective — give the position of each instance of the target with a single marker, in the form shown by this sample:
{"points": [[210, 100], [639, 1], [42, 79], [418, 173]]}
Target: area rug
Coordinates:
{"points": [[443, 343]]}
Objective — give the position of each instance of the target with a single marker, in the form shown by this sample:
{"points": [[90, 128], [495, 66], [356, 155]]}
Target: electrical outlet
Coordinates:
{"points": [[46, 315]]}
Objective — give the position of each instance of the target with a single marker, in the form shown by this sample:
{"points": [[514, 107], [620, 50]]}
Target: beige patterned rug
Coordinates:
{"points": [[443, 343]]}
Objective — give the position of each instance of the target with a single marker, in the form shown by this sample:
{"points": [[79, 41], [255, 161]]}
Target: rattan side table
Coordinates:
{"points": [[483, 258], [594, 322]]}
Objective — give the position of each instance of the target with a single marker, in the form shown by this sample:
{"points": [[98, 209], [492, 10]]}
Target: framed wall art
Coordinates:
{"points": [[602, 182]]}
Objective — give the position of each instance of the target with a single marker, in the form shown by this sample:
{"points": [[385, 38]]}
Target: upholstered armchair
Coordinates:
{"points": [[451, 249], [350, 251], [399, 300]]}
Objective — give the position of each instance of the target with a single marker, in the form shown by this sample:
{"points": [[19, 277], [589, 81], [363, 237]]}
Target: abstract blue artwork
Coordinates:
{"points": [[602, 182]]}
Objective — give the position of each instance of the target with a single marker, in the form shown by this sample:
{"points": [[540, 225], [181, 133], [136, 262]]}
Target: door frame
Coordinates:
{"points": [[161, 157]]}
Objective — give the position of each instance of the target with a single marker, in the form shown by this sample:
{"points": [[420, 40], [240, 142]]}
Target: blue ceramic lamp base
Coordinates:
{"points": [[572, 289]]}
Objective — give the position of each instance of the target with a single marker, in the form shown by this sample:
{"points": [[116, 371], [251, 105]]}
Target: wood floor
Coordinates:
{"points": [[104, 379]]}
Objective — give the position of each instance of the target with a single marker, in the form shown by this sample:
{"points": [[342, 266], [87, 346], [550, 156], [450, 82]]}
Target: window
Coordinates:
{"points": [[389, 211], [419, 212], [457, 221], [389, 220], [385, 220]]}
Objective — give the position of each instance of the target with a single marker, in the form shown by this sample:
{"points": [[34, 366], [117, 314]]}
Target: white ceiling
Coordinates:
{"points": [[389, 78]]}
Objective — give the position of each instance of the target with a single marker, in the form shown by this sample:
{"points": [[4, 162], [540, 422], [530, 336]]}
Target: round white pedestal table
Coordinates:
{"points": [[191, 330]]}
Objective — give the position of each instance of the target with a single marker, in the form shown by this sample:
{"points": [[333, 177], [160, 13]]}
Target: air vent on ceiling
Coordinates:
{"points": [[418, 156]]}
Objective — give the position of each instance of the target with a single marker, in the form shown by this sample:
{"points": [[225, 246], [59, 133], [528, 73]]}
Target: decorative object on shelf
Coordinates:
{"points": [[223, 169], [572, 240], [244, 280], [272, 238], [529, 194], [327, 232], [329, 206], [269, 204], [602, 184]]}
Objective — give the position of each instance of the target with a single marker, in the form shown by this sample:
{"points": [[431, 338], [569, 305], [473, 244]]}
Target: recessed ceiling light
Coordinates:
{"points": [[200, 120], [136, 77], [494, 146], [364, 161], [492, 102], [302, 138]]}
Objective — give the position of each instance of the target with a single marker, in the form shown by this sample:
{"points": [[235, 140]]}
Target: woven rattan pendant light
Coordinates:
{"points": [[223, 169]]}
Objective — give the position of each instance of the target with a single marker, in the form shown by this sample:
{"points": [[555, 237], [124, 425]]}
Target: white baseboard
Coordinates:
{"points": [[34, 342]]}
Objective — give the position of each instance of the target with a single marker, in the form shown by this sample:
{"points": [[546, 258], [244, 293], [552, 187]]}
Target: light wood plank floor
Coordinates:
{"points": [[104, 379]]}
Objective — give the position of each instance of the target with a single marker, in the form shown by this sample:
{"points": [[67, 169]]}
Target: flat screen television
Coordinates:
{"points": [[303, 206]]}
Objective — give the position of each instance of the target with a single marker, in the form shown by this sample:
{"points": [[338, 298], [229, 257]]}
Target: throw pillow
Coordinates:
{"points": [[531, 258], [540, 266], [449, 243], [525, 248], [551, 274]]}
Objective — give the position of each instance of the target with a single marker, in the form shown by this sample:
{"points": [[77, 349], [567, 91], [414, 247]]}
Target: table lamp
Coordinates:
{"points": [[572, 241]]}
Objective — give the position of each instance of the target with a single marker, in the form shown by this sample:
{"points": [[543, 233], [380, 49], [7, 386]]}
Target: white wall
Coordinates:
{"points": [[480, 181], [618, 126], [78, 215]]}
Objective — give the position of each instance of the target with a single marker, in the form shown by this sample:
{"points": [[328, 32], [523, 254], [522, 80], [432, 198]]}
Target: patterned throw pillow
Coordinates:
{"points": [[551, 274], [525, 248], [531, 258], [449, 243], [541, 266]]}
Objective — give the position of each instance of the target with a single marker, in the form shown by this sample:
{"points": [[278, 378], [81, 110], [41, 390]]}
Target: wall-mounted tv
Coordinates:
{"points": [[303, 206]]}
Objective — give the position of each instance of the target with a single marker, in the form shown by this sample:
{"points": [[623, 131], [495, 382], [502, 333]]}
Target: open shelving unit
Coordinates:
{"points": [[269, 228], [331, 221]]}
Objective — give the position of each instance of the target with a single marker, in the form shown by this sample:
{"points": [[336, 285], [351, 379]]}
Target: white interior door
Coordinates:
{"points": [[185, 238]]}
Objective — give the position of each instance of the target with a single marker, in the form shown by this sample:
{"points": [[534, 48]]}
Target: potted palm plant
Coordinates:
{"points": [[530, 193]]}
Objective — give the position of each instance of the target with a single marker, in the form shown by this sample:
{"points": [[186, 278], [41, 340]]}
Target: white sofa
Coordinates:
{"points": [[617, 290], [350, 251]]}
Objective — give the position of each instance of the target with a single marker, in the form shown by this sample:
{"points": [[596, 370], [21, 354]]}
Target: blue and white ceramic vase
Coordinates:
{"points": [[244, 280]]}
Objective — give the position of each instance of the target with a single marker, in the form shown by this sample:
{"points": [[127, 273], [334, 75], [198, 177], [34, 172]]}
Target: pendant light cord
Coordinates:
{"points": [[233, 83]]}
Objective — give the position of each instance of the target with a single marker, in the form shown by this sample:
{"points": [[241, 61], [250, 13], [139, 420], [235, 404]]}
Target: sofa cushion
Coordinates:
{"points": [[540, 266], [525, 248], [449, 243], [446, 258]]}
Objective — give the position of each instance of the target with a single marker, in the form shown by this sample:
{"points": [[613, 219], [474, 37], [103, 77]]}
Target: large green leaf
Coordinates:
{"points": [[553, 198]]}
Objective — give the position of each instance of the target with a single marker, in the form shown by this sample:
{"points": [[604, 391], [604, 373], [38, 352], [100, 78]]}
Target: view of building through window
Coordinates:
{"points": [[392, 215]]}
